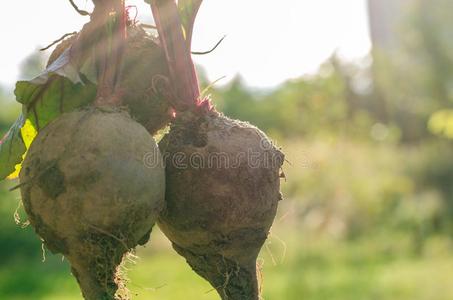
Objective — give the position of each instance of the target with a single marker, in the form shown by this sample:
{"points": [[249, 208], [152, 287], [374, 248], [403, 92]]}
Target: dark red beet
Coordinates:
{"points": [[223, 188], [222, 175]]}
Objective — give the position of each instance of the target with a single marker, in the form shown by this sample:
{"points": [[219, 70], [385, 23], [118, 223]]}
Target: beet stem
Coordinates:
{"points": [[189, 15], [177, 51], [109, 18]]}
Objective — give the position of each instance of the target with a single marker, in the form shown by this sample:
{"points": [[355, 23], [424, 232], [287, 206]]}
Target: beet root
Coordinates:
{"points": [[142, 61], [223, 188], [89, 195]]}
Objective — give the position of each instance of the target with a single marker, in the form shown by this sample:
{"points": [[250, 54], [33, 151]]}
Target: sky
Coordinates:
{"points": [[267, 43]]}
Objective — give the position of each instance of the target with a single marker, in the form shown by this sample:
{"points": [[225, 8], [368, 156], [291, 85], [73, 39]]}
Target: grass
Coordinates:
{"points": [[350, 228], [313, 268]]}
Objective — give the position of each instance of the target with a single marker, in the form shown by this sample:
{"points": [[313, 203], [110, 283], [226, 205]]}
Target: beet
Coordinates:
{"points": [[143, 60], [222, 175], [223, 188], [90, 196]]}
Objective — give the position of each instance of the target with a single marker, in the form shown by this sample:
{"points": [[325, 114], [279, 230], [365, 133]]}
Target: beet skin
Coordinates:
{"points": [[223, 188], [89, 194]]}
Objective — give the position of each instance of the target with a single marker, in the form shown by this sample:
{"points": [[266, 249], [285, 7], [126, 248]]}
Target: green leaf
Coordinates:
{"points": [[12, 148], [44, 103], [59, 89]]}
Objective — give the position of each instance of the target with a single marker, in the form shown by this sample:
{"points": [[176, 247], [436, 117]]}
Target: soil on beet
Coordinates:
{"points": [[144, 60], [219, 214], [231, 280], [89, 195]]}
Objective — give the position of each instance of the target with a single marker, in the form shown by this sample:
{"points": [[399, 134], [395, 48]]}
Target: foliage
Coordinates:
{"points": [[309, 106], [349, 227], [413, 78], [368, 209], [9, 112], [57, 90], [441, 123]]}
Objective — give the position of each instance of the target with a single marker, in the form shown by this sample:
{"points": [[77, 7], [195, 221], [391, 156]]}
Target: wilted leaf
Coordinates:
{"points": [[61, 66]]}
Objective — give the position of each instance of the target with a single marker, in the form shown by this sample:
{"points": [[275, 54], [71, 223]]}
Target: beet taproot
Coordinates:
{"points": [[223, 189], [90, 196], [222, 175], [143, 59]]}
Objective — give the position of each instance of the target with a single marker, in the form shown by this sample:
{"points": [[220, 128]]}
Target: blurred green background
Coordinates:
{"points": [[368, 209]]}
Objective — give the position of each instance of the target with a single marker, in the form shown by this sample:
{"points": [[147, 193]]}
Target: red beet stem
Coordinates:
{"points": [[110, 49], [183, 76]]}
